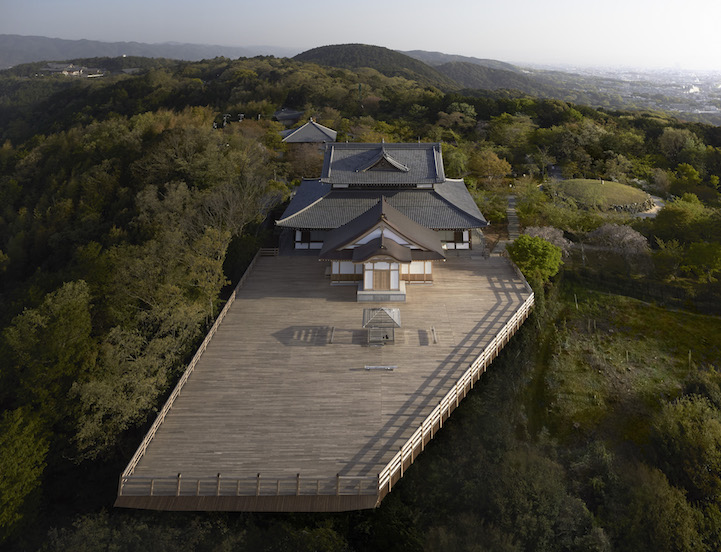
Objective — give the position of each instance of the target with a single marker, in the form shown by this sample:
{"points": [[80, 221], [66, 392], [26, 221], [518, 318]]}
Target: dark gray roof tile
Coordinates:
{"points": [[311, 132], [347, 164]]}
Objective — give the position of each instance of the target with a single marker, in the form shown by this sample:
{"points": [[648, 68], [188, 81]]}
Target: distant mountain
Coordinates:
{"points": [[16, 49], [439, 58], [385, 61]]}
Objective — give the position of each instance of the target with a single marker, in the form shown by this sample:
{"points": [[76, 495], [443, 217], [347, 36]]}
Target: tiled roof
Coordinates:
{"points": [[381, 212], [311, 132], [407, 165], [448, 207], [309, 192], [382, 246]]}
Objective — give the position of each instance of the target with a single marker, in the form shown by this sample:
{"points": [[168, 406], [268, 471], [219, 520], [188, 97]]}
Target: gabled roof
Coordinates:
{"points": [[401, 165], [311, 132], [382, 246], [384, 161], [318, 207], [381, 213]]}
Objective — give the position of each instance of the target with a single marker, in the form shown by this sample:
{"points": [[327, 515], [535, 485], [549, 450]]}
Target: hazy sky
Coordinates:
{"points": [[645, 33]]}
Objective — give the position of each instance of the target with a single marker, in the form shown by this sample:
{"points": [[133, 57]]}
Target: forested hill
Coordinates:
{"points": [[474, 76], [383, 60], [438, 58]]}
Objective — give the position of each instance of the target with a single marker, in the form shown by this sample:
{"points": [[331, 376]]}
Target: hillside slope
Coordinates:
{"points": [[473, 76], [439, 58]]}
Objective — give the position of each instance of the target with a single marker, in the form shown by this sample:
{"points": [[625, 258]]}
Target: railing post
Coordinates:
{"points": [[360, 486], [337, 484], [217, 486], [197, 488], [277, 487], [317, 486], [297, 484], [237, 487], [177, 487], [257, 485], [152, 486], [423, 438], [401, 450], [440, 404], [120, 485]]}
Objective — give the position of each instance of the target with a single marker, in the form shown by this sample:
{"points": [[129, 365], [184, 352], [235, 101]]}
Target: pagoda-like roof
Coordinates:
{"points": [[383, 165], [311, 132]]}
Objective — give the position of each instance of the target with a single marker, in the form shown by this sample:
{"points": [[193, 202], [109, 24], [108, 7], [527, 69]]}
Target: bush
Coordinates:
{"points": [[537, 258]]}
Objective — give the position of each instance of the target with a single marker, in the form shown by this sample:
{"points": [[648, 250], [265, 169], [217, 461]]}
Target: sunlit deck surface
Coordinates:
{"points": [[283, 388]]}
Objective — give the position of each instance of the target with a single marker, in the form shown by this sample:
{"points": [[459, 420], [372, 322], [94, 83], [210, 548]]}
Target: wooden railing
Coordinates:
{"points": [[249, 486], [416, 443], [184, 378]]}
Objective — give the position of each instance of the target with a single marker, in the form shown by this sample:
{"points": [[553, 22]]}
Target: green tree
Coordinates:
{"points": [[488, 167], [53, 347], [23, 446], [687, 440], [704, 260], [654, 515], [537, 258]]}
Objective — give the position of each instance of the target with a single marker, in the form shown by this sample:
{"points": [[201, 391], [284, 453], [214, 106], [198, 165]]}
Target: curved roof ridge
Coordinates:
{"points": [[383, 155]]}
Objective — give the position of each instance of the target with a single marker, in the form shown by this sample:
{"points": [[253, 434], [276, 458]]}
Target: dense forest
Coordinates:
{"points": [[130, 203]]}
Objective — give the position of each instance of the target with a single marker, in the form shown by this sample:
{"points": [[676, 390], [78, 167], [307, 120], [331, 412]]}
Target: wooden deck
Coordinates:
{"points": [[283, 406]]}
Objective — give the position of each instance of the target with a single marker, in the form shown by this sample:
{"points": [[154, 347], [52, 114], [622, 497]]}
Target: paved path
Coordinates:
{"points": [[651, 213], [514, 227]]}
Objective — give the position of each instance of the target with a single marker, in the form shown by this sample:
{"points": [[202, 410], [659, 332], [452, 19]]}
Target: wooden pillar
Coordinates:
{"points": [[152, 486], [217, 486], [401, 461], [257, 485], [297, 484], [237, 487], [177, 487], [337, 484], [197, 488]]}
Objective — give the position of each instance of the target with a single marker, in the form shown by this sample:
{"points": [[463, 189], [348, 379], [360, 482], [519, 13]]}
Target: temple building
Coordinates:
{"points": [[382, 214]]}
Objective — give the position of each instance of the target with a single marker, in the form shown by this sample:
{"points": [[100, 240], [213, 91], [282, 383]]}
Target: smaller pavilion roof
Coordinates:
{"points": [[382, 317], [311, 132]]}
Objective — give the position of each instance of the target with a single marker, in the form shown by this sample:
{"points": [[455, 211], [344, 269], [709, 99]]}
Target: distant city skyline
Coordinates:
{"points": [[649, 34]]}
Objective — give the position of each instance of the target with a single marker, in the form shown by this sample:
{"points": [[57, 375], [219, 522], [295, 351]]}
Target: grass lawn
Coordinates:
{"points": [[616, 359], [600, 194]]}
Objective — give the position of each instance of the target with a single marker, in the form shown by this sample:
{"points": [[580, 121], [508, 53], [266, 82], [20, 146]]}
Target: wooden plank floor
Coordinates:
{"points": [[272, 395]]}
